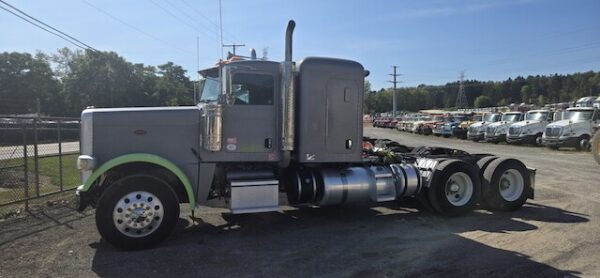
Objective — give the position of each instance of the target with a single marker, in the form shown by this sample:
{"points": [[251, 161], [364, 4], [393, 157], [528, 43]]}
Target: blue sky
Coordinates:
{"points": [[430, 41]]}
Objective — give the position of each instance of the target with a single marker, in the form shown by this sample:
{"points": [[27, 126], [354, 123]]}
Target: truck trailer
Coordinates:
{"points": [[261, 129]]}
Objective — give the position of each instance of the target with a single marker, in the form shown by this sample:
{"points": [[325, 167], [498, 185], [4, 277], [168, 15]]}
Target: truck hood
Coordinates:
{"points": [[481, 124], [567, 123], [528, 123], [500, 124]]}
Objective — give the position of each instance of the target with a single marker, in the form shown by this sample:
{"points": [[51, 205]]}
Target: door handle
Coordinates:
{"points": [[268, 143]]}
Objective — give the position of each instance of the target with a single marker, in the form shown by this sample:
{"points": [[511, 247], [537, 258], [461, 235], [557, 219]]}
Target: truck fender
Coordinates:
{"points": [[147, 158]]}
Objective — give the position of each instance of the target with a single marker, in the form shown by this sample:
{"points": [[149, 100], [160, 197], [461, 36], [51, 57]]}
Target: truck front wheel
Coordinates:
{"points": [[505, 185], [136, 212], [454, 188]]}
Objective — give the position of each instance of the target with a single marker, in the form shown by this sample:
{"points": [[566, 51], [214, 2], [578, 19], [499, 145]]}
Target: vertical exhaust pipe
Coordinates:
{"points": [[288, 96]]}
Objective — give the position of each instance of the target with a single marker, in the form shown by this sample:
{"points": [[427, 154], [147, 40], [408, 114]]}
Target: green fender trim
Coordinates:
{"points": [[143, 157]]}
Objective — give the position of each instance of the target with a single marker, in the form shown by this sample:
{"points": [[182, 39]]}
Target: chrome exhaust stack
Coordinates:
{"points": [[287, 92]]}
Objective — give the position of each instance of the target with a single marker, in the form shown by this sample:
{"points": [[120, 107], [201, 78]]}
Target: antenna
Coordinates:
{"points": [[221, 27]]}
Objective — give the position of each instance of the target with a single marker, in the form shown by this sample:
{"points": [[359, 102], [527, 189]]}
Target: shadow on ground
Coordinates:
{"points": [[350, 242]]}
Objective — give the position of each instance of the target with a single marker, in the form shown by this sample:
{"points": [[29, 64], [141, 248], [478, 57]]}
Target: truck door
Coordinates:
{"points": [[250, 117]]}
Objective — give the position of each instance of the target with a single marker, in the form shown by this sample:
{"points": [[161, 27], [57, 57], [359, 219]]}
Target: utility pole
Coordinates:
{"points": [[395, 81], [461, 99], [234, 46]]}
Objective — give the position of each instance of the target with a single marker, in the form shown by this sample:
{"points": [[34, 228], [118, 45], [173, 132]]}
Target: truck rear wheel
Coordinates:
{"points": [[505, 185], [136, 212], [596, 147], [454, 189]]}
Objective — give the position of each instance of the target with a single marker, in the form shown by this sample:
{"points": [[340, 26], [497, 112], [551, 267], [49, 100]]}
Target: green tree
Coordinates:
{"points": [[483, 101], [526, 93], [173, 87], [24, 79]]}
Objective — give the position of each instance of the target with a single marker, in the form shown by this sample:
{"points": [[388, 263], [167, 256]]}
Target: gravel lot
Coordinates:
{"points": [[556, 235]]}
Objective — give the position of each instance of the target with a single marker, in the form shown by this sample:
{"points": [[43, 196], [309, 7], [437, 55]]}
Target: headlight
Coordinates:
{"points": [[525, 132], [86, 163]]}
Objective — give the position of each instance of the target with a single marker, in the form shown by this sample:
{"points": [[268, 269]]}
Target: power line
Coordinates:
{"points": [[135, 28], [231, 36], [177, 17], [234, 46], [37, 23], [191, 18]]}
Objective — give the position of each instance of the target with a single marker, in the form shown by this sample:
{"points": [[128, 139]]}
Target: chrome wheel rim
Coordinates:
{"points": [[138, 214], [459, 189], [511, 185]]}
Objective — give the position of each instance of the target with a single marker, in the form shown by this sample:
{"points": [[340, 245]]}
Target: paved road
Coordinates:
{"points": [[556, 235], [10, 152]]}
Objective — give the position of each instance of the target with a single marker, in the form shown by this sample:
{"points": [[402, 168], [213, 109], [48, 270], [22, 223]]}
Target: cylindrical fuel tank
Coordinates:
{"points": [[334, 186], [349, 185]]}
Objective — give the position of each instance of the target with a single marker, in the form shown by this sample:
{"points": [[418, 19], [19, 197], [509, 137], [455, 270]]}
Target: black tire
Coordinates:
{"points": [[436, 192], [491, 183], [583, 144], [140, 182], [596, 147], [537, 141], [483, 163]]}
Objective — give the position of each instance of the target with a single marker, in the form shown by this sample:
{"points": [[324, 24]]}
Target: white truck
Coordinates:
{"points": [[496, 132], [530, 130], [476, 131], [575, 131]]}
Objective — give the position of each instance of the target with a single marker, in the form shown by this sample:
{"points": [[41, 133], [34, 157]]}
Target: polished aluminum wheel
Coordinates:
{"points": [[138, 214], [511, 185], [459, 189]]}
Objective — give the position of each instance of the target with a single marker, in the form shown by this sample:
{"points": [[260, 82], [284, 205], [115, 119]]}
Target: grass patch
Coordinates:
{"points": [[12, 181]]}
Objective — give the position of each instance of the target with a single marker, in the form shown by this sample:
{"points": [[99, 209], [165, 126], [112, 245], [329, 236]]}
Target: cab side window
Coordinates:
{"points": [[252, 89]]}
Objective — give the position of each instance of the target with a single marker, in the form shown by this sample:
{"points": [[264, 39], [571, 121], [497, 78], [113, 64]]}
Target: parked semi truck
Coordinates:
{"points": [[476, 131], [263, 128], [575, 130], [496, 132], [530, 130]]}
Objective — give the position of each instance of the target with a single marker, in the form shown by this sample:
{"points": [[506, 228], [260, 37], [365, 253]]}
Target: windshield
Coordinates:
{"points": [[536, 116], [438, 118], [491, 117], [579, 115], [477, 118], [460, 118], [210, 90], [511, 117]]}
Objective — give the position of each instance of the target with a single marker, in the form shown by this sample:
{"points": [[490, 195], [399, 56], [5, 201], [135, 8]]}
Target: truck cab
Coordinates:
{"points": [[531, 129], [575, 131], [496, 132], [476, 131]]}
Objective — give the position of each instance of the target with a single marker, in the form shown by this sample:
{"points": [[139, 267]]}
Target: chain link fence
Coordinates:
{"points": [[37, 158]]}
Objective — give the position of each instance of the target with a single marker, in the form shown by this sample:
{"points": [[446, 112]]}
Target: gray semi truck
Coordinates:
{"points": [[262, 129]]}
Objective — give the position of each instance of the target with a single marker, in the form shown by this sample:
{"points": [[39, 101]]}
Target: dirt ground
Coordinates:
{"points": [[555, 235]]}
